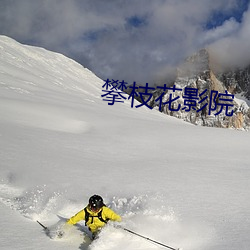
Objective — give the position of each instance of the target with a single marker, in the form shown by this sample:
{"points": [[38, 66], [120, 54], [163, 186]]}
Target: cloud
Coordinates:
{"points": [[126, 40], [233, 49], [228, 28]]}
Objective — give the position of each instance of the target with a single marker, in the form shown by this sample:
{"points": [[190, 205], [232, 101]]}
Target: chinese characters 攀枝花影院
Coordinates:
{"points": [[114, 92]]}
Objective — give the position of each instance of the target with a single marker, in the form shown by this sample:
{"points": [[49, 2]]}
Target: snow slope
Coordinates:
{"points": [[176, 183]]}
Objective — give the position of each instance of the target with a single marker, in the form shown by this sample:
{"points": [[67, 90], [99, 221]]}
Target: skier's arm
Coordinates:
{"points": [[110, 214], [77, 217]]}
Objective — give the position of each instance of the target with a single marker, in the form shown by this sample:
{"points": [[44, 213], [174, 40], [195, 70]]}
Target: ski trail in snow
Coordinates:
{"points": [[144, 214], [32, 204], [7, 193]]}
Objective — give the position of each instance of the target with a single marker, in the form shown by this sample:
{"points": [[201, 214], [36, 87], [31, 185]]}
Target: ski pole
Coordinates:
{"points": [[146, 238], [45, 228]]}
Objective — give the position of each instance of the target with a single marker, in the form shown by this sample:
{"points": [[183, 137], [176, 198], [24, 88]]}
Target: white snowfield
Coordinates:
{"points": [[182, 185]]}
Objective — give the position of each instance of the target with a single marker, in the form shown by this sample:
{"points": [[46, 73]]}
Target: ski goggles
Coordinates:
{"points": [[94, 208]]}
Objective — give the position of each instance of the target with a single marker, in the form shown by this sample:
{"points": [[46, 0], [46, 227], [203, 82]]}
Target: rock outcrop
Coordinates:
{"points": [[197, 73]]}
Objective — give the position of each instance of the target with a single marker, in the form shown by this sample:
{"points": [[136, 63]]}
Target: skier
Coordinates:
{"points": [[95, 214]]}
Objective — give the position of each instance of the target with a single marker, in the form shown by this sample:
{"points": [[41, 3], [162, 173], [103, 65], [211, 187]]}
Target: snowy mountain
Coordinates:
{"points": [[237, 81], [199, 72], [183, 185], [198, 78]]}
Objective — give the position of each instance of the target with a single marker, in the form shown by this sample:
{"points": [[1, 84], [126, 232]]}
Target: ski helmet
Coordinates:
{"points": [[95, 202]]}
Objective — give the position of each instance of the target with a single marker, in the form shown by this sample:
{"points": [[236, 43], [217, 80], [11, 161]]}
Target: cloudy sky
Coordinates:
{"points": [[131, 40]]}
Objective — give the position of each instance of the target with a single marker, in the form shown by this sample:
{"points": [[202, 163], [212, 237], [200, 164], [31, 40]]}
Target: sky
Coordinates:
{"points": [[132, 40]]}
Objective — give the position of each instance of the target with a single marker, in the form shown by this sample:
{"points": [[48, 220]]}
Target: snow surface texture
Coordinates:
{"points": [[179, 184]]}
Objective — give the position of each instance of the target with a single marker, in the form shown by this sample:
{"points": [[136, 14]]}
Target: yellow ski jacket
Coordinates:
{"points": [[94, 223]]}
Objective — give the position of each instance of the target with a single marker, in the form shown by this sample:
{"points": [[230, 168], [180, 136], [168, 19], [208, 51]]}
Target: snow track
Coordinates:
{"points": [[146, 214], [32, 204]]}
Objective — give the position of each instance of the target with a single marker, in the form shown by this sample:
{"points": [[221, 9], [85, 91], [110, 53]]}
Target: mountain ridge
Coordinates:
{"points": [[200, 72]]}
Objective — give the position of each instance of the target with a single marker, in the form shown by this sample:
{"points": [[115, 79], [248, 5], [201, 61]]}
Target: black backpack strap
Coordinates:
{"points": [[86, 216], [99, 215]]}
